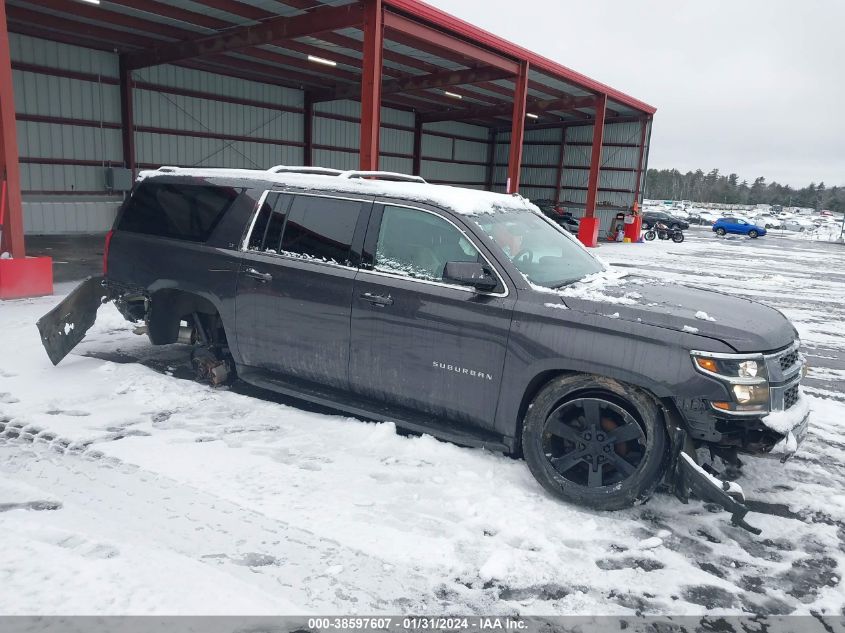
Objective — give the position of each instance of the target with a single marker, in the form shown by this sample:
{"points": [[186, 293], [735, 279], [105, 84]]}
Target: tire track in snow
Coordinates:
{"points": [[318, 574]]}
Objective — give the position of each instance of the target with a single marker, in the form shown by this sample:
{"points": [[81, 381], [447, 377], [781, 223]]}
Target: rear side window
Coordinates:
{"points": [[267, 233], [312, 227], [179, 211]]}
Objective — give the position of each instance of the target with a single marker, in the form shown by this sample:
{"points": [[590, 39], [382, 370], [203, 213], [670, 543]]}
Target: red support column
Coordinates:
{"points": [[371, 84], [520, 97], [418, 126], [127, 116], [588, 233], [308, 130], [632, 230], [9, 165], [20, 276]]}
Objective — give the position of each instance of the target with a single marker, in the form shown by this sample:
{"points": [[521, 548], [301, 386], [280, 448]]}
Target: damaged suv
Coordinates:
{"points": [[464, 314]]}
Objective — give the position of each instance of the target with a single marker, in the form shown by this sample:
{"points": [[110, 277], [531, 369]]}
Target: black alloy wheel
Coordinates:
{"points": [[593, 442]]}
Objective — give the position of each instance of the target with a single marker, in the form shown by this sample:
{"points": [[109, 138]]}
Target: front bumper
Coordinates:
{"points": [[794, 431], [777, 432]]}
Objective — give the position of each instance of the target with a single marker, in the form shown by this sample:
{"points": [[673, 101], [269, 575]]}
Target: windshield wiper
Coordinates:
{"points": [[563, 284]]}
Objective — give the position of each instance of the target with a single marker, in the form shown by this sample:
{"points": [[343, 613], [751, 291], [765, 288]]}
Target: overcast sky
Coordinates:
{"points": [[750, 86]]}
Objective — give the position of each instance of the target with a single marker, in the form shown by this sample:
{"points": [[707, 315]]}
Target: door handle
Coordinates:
{"points": [[378, 300], [262, 277]]}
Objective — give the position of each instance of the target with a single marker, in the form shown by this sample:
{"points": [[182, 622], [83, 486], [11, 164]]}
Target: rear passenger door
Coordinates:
{"points": [[295, 286], [417, 341]]}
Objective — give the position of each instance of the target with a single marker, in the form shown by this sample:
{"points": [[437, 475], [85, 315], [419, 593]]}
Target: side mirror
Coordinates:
{"points": [[469, 274]]}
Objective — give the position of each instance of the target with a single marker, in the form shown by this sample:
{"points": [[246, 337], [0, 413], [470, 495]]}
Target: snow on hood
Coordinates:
{"points": [[745, 325], [458, 199]]}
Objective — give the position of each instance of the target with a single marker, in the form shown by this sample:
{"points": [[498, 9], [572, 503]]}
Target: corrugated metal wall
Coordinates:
{"points": [[541, 160], [337, 133], [174, 127], [86, 148], [455, 153]]}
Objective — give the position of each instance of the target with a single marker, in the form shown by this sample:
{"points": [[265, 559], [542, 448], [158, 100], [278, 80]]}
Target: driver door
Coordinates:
{"points": [[417, 341]]}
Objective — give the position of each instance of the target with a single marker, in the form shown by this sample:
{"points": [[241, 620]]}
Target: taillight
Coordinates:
{"points": [[106, 253]]}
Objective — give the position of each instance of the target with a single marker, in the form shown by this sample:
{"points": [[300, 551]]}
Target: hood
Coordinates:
{"points": [[745, 325]]}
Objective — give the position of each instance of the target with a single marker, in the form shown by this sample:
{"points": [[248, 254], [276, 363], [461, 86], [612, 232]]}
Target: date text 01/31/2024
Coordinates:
{"points": [[417, 623]]}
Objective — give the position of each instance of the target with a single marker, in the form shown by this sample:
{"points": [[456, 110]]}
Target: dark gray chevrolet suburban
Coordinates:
{"points": [[459, 313]]}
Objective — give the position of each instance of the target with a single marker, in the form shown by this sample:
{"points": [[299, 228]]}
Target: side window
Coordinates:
{"points": [[419, 244], [267, 231], [321, 228], [180, 211]]}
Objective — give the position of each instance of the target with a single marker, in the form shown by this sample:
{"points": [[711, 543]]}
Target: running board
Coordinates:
{"points": [[361, 407]]}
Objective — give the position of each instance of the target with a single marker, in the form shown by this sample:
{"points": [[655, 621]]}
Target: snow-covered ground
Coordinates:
{"points": [[125, 488]]}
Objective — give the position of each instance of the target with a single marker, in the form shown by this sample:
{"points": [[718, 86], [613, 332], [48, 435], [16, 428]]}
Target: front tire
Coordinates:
{"points": [[595, 442], [678, 237], [649, 235], [752, 234]]}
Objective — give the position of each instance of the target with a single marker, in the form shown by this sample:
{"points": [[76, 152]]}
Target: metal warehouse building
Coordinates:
{"points": [[105, 86]]}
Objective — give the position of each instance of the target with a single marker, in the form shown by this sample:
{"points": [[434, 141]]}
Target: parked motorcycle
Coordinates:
{"points": [[663, 232]]}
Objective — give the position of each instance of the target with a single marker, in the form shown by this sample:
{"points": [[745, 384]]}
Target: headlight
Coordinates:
{"points": [[745, 376], [751, 394], [735, 369], [748, 368]]}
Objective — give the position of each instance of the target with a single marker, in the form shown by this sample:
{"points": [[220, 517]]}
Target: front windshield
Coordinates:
{"points": [[541, 251]]}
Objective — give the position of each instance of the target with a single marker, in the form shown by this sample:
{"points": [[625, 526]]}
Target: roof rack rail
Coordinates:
{"points": [[319, 171], [382, 175], [167, 168]]}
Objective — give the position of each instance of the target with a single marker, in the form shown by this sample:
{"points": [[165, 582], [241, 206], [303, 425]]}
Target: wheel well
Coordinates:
{"points": [[168, 308], [538, 382], [666, 407]]}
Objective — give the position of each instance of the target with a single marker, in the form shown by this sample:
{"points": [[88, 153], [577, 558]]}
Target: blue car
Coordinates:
{"points": [[737, 226]]}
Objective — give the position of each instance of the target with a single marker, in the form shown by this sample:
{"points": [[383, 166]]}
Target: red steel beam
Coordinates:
{"points": [[121, 40], [442, 79], [371, 84], [111, 19], [10, 171], [127, 116], [595, 157], [238, 8], [338, 39], [520, 98], [167, 10], [556, 105], [426, 38], [328, 18]]}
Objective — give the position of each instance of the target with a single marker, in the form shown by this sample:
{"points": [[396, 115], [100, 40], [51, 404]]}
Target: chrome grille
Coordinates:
{"points": [[788, 360], [790, 396]]}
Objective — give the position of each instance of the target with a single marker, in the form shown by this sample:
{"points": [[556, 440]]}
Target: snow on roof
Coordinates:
{"points": [[458, 199]]}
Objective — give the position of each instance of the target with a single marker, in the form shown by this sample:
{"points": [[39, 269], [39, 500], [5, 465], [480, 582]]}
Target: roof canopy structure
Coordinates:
{"points": [[425, 53]]}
